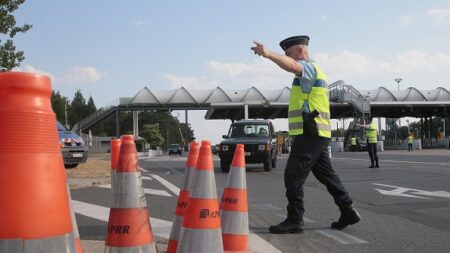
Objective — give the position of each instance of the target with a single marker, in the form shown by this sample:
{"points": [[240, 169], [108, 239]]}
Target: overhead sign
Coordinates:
{"points": [[411, 193]]}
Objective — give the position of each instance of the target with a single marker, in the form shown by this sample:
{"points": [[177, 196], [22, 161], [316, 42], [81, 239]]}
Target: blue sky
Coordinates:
{"points": [[111, 49]]}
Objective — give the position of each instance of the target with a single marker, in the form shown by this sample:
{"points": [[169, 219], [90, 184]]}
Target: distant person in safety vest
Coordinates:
{"points": [[309, 124], [410, 143], [372, 143], [353, 146]]}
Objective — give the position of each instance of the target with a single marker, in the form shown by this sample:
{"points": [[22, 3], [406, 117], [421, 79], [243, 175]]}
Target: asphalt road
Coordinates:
{"points": [[405, 204]]}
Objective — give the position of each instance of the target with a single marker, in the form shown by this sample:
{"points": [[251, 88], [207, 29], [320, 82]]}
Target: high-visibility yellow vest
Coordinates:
{"points": [[317, 99], [410, 139], [353, 141], [372, 133]]}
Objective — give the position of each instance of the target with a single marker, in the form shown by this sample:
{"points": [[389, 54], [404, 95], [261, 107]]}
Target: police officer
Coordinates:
{"points": [[353, 146], [410, 143], [309, 124], [372, 143]]}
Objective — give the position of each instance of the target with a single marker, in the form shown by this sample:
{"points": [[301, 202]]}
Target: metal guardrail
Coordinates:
{"points": [[91, 119], [341, 92]]}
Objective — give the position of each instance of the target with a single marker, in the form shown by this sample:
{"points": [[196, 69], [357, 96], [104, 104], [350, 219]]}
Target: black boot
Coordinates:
{"points": [[349, 216], [371, 166], [287, 226], [377, 166]]}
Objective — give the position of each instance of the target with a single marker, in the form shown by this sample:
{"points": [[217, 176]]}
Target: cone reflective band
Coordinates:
{"points": [[129, 228], [183, 198], [234, 207], [35, 214], [201, 231]]}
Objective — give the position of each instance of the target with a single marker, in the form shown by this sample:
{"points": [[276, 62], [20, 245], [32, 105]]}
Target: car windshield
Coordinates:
{"points": [[60, 126], [174, 145], [248, 130]]}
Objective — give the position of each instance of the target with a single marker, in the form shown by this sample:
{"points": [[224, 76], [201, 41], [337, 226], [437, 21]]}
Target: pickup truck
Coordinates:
{"points": [[259, 139]]}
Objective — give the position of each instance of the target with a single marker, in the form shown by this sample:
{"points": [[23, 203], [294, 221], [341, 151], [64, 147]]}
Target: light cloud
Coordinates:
{"points": [[323, 18], [31, 69], [406, 21], [80, 75], [140, 22], [344, 65], [440, 16]]}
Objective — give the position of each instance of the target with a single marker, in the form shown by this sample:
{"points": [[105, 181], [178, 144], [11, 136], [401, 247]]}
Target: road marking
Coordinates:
{"points": [[400, 191], [147, 178], [394, 161], [340, 236], [146, 191], [167, 184], [161, 228], [266, 207], [305, 220], [144, 170]]}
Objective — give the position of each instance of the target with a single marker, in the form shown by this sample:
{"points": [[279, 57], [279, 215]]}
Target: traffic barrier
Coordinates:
{"points": [[129, 228], [201, 232], [35, 214], [115, 150], [234, 207], [183, 198]]}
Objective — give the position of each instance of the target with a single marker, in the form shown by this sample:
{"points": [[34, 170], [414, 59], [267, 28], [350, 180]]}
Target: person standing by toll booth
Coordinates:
{"points": [[410, 143], [372, 143], [353, 146], [309, 124]]}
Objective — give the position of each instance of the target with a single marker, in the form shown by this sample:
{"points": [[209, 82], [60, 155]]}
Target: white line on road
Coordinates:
{"points": [[339, 236], [147, 191], [161, 228], [167, 184], [147, 178], [394, 161], [144, 170]]}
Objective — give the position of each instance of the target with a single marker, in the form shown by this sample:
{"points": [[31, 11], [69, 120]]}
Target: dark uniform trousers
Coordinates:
{"points": [[310, 154], [372, 148]]}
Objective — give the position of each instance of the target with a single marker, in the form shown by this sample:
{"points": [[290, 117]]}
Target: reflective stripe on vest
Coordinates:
{"points": [[317, 100], [372, 133]]}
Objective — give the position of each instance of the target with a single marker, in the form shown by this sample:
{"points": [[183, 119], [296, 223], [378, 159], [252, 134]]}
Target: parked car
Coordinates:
{"points": [[175, 149], [74, 150], [259, 139]]}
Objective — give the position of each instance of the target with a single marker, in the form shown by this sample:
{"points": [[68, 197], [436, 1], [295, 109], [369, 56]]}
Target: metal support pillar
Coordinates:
{"points": [[245, 111], [117, 123]]}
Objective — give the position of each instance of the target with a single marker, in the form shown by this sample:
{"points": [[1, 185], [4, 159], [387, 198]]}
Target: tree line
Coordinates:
{"points": [[158, 128]]}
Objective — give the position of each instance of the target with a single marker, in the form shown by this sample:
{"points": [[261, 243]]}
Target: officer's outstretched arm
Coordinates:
{"points": [[283, 61]]}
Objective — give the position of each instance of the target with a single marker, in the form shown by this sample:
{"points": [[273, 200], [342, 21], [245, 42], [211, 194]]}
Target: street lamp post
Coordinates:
{"points": [[398, 80]]}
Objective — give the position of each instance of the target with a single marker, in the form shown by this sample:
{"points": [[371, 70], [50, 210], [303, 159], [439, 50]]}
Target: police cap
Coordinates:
{"points": [[294, 40]]}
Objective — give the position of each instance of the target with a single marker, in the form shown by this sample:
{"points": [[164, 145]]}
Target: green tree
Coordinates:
{"points": [[90, 107], [9, 56], [58, 104], [78, 107], [152, 135]]}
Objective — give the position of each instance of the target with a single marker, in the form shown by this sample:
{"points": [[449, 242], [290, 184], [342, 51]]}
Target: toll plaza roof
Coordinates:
{"points": [[269, 104]]}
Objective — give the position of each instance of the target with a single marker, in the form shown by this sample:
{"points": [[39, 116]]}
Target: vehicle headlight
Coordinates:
{"points": [[261, 147], [224, 147]]}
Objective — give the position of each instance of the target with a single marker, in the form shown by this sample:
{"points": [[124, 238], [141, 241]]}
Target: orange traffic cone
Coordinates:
{"points": [[35, 210], [78, 246], [234, 208], [183, 198], [115, 150], [129, 228], [201, 231]]}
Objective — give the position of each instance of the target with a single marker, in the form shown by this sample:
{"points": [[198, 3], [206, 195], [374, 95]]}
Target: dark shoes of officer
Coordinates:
{"points": [[349, 216], [376, 166], [287, 226]]}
